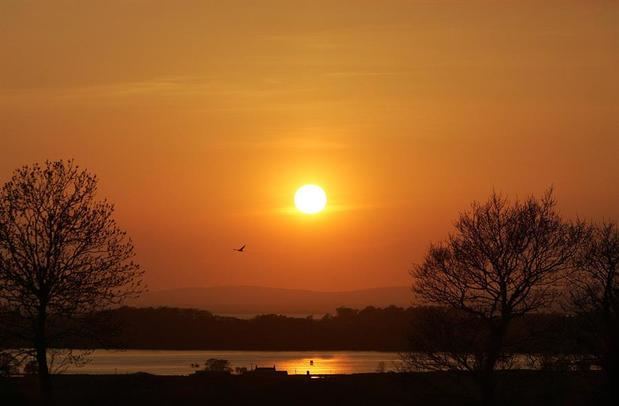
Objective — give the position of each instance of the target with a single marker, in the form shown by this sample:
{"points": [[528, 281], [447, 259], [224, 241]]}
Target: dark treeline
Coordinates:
{"points": [[372, 329], [348, 329]]}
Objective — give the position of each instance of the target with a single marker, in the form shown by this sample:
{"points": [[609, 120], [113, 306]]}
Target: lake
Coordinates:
{"points": [[179, 362]]}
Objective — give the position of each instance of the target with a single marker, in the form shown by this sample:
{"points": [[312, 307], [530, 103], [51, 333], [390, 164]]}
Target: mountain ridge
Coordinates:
{"points": [[251, 300]]}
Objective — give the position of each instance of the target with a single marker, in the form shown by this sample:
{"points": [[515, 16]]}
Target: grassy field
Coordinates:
{"points": [[515, 388]]}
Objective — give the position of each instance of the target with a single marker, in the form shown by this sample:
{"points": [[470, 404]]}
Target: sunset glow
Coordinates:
{"points": [[203, 118]]}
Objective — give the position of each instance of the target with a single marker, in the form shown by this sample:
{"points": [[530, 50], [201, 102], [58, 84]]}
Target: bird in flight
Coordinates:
{"points": [[242, 249]]}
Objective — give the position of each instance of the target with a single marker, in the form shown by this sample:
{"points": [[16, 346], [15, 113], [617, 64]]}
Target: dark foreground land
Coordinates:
{"points": [[515, 388]]}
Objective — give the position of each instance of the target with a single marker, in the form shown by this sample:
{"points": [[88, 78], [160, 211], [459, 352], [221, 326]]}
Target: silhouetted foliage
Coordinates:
{"points": [[504, 260], [369, 329], [62, 257], [594, 297], [172, 328], [214, 366], [218, 365]]}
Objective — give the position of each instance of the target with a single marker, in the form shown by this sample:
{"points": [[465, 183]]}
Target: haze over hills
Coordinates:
{"points": [[251, 300]]}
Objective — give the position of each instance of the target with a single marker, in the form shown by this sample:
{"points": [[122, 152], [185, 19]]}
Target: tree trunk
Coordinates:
{"points": [[487, 381], [488, 373], [40, 345]]}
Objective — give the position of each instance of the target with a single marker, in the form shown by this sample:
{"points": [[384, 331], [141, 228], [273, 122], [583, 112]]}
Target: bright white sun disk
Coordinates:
{"points": [[310, 199]]}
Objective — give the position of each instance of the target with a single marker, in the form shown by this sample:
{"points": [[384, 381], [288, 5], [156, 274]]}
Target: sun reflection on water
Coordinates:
{"points": [[317, 366]]}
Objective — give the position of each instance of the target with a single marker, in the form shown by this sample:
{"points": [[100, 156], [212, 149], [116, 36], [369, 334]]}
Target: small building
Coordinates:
{"points": [[267, 371]]}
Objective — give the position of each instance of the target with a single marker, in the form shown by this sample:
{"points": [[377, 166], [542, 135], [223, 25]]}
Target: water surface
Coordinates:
{"points": [[179, 362]]}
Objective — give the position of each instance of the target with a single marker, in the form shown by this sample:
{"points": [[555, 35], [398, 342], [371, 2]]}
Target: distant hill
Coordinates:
{"points": [[251, 300]]}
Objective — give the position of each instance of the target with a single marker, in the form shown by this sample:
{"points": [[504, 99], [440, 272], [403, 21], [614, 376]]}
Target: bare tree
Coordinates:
{"points": [[594, 294], [62, 256], [504, 260]]}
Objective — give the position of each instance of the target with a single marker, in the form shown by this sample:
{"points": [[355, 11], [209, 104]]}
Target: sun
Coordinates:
{"points": [[310, 199]]}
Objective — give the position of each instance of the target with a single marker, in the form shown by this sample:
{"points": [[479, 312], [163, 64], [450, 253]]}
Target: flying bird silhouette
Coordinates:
{"points": [[242, 249]]}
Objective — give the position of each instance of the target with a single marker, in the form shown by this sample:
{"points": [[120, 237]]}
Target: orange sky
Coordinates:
{"points": [[201, 118]]}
